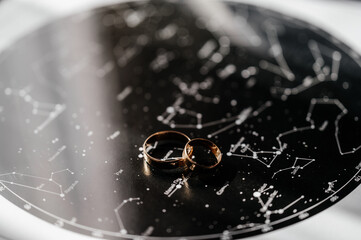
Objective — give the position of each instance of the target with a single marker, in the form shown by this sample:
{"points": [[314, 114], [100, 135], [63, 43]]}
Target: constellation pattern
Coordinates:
{"points": [[277, 53], [323, 71], [298, 164], [212, 54], [172, 111], [43, 181], [116, 210], [282, 146], [48, 110], [343, 112], [266, 205], [194, 89], [268, 161]]}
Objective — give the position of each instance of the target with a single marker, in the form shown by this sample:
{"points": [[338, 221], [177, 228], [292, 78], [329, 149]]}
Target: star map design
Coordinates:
{"points": [[79, 96]]}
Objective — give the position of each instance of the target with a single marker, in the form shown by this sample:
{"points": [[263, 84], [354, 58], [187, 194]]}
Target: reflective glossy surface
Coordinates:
{"points": [[78, 98]]}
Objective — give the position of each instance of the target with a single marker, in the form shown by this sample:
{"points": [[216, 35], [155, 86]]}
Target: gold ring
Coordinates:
{"points": [[169, 136], [191, 161]]}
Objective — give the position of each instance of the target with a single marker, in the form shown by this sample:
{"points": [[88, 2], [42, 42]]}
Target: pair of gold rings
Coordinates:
{"points": [[177, 141]]}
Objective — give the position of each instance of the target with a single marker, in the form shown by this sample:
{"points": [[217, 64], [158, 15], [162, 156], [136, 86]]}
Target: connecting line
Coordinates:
{"points": [[171, 111], [49, 180], [57, 153], [126, 54], [290, 205], [296, 166], [319, 67], [207, 48], [48, 110], [52, 115], [323, 72], [212, 56], [60, 171], [319, 61], [220, 121], [175, 109], [242, 117], [116, 211], [294, 130], [161, 61], [275, 153], [262, 108], [264, 188], [33, 188], [344, 111], [337, 131], [269, 201], [282, 68], [281, 146], [114, 135], [258, 195], [268, 213], [336, 59], [265, 206], [234, 147], [124, 93], [255, 157], [243, 226], [194, 88]]}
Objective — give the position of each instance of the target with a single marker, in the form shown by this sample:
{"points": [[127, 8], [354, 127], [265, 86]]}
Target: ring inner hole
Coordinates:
{"points": [[166, 149], [203, 155]]}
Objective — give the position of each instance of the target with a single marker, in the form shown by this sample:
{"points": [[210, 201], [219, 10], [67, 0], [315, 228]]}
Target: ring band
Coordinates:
{"points": [[188, 153], [159, 136]]}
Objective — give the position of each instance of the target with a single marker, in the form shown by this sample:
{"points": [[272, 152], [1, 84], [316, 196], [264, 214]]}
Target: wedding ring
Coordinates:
{"points": [[199, 162], [157, 141]]}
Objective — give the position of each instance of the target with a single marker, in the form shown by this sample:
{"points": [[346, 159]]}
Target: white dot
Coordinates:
{"points": [[256, 194], [170, 109]]}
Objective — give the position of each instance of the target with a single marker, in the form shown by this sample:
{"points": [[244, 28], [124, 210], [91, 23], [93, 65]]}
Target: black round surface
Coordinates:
{"points": [[79, 96]]}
